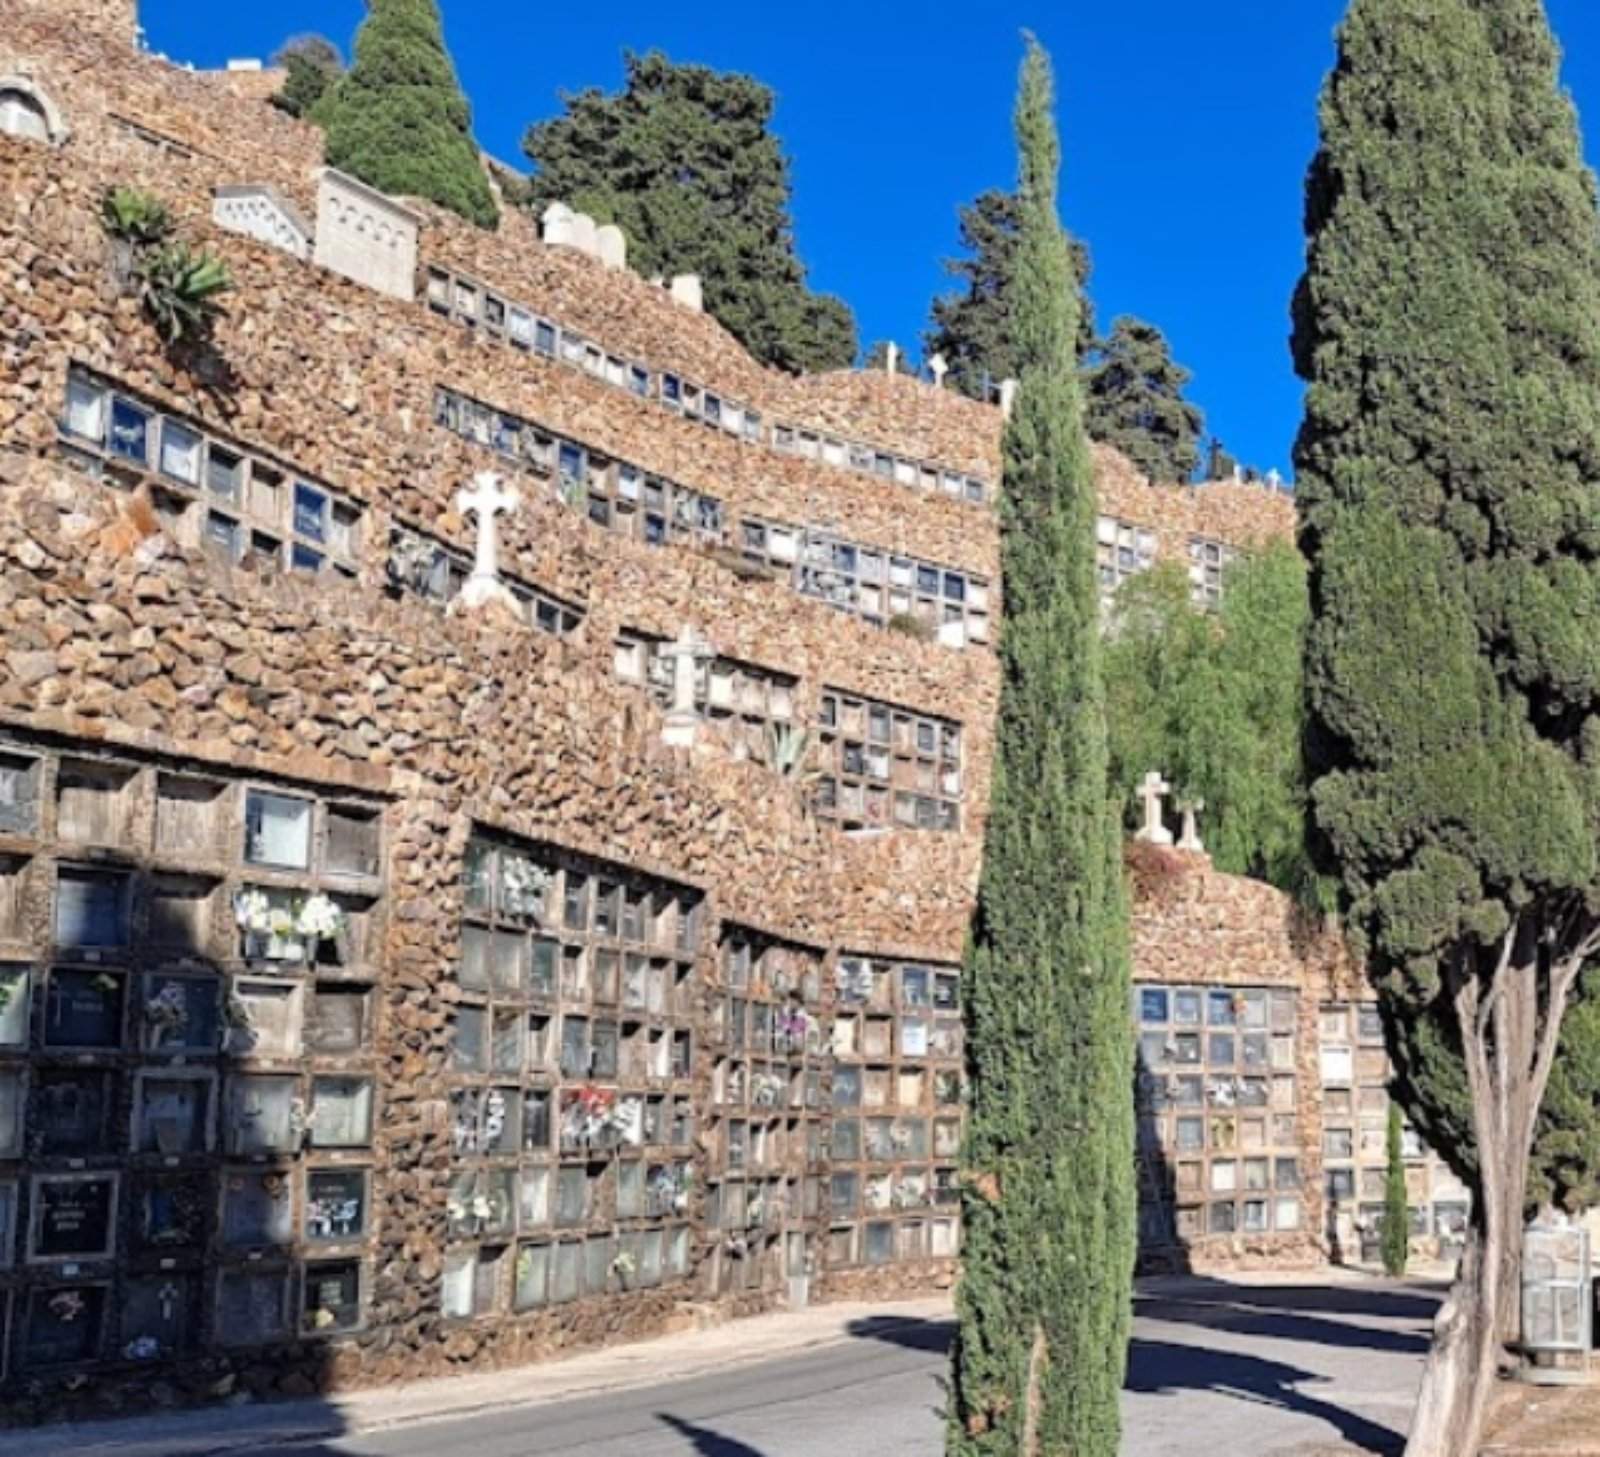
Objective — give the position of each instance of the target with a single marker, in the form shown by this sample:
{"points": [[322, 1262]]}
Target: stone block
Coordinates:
{"points": [[260, 211], [366, 236]]}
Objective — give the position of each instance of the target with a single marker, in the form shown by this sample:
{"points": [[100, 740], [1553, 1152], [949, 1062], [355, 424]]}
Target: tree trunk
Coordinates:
{"points": [[1461, 1365]]}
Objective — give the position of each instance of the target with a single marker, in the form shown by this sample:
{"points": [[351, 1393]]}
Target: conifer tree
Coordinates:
{"points": [[1396, 1206], [971, 327], [1048, 1192], [1449, 330], [311, 64], [397, 119], [684, 161], [1134, 401]]}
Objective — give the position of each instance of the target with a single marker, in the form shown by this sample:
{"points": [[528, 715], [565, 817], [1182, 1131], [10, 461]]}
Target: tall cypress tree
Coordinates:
{"points": [[397, 118], [1449, 330], [1396, 1204], [1048, 1192]]}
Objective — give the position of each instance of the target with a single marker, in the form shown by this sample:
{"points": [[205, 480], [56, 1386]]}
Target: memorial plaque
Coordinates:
{"points": [[11, 1103], [333, 1295], [15, 984], [83, 1008], [180, 914], [174, 1114], [252, 1307], [8, 1226], [64, 1325], [180, 1014], [171, 1211], [72, 1217], [264, 1115], [156, 1316], [71, 1112], [342, 1113], [256, 1208], [264, 1019], [338, 1020], [533, 1276], [336, 1204], [91, 908]]}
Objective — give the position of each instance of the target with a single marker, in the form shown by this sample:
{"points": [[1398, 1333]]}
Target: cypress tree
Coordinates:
{"points": [[397, 118], [1449, 330], [311, 64], [1134, 401], [1048, 1188], [1396, 1207]]}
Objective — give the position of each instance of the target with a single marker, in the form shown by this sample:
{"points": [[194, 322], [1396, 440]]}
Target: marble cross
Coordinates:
{"points": [[486, 500], [1152, 791], [939, 369], [1190, 839], [685, 653]]}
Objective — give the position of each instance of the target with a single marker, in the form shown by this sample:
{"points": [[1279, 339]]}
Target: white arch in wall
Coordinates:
{"points": [[27, 111]]}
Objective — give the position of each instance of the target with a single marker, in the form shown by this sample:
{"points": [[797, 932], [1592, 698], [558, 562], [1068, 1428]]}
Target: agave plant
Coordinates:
{"points": [[131, 215], [178, 288], [788, 750]]}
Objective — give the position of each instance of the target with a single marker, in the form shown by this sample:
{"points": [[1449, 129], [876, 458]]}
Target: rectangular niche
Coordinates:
{"points": [[91, 908], [336, 1204], [332, 1299], [83, 1008], [95, 803], [19, 794], [264, 1017], [70, 1112], [353, 841], [277, 830], [341, 1112], [257, 1208], [74, 1217], [172, 1112], [265, 1115], [253, 1307], [181, 908], [16, 985], [179, 1013], [157, 1316], [8, 1229], [189, 816], [64, 1325], [171, 1211], [13, 873], [339, 1019]]}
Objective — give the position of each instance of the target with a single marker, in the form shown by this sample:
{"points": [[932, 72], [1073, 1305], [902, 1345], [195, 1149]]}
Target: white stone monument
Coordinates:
{"points": [[366, 235], [891, 358], [558, 230], [1008, 397], [1153, 791], [685, 655], [613, 245], [1190, 838], [486, 500], [939, 368], [258, 210], [687, 291]]}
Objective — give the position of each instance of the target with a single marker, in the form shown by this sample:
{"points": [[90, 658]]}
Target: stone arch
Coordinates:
{"points": [[27, 111]]}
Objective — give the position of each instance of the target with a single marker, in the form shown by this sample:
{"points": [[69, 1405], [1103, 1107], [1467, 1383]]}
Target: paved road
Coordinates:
{"points": [[1255, 1371]]}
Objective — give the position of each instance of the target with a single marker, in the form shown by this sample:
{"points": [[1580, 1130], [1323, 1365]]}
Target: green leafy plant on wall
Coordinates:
{"points": [[177, 284]]}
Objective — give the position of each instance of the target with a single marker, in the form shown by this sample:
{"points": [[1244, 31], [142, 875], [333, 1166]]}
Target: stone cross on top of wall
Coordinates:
{"points": [[685, 654], [1153, 790], [486, 500], [1190, 838], [938, 369]]}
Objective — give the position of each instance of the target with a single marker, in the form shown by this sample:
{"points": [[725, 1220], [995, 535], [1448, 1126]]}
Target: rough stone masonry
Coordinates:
{"points": [[379, 991]]}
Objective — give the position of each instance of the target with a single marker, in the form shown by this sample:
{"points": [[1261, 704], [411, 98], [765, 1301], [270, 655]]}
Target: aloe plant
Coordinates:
{"points": [[131, 215], [178, 288], [788, 750]]}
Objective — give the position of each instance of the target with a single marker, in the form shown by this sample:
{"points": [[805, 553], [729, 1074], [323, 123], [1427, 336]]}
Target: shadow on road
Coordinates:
{"points": [[707, 1442], [1296, 1313], [913, 1334], [1159, 1368]]}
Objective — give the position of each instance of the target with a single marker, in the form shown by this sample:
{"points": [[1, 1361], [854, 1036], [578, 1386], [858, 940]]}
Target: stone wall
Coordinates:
{"points": [[1226, 936]]}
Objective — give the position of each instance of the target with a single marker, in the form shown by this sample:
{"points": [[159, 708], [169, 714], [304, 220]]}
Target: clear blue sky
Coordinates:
{"points": [[1186, 132]]}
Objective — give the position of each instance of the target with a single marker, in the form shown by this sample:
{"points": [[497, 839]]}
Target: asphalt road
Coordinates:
{"points": [[1253, 1371]]}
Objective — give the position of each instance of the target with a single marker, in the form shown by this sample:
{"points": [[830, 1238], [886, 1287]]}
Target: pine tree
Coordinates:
{"points": [[1449, 330], [1134, 401], [397, 119], [684, 161], [971, 328], [1048, 1193], [311, 64], [1396, 1206]]}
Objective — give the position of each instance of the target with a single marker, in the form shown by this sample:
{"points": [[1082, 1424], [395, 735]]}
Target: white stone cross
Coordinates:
{"points": [[1153, 790], [891, 358], [685, 653], [486, 500], [1190, 839], [938, 367]]}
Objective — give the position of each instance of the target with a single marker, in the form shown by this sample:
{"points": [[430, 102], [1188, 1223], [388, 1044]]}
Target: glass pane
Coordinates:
{"points": [[277, 830]]}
